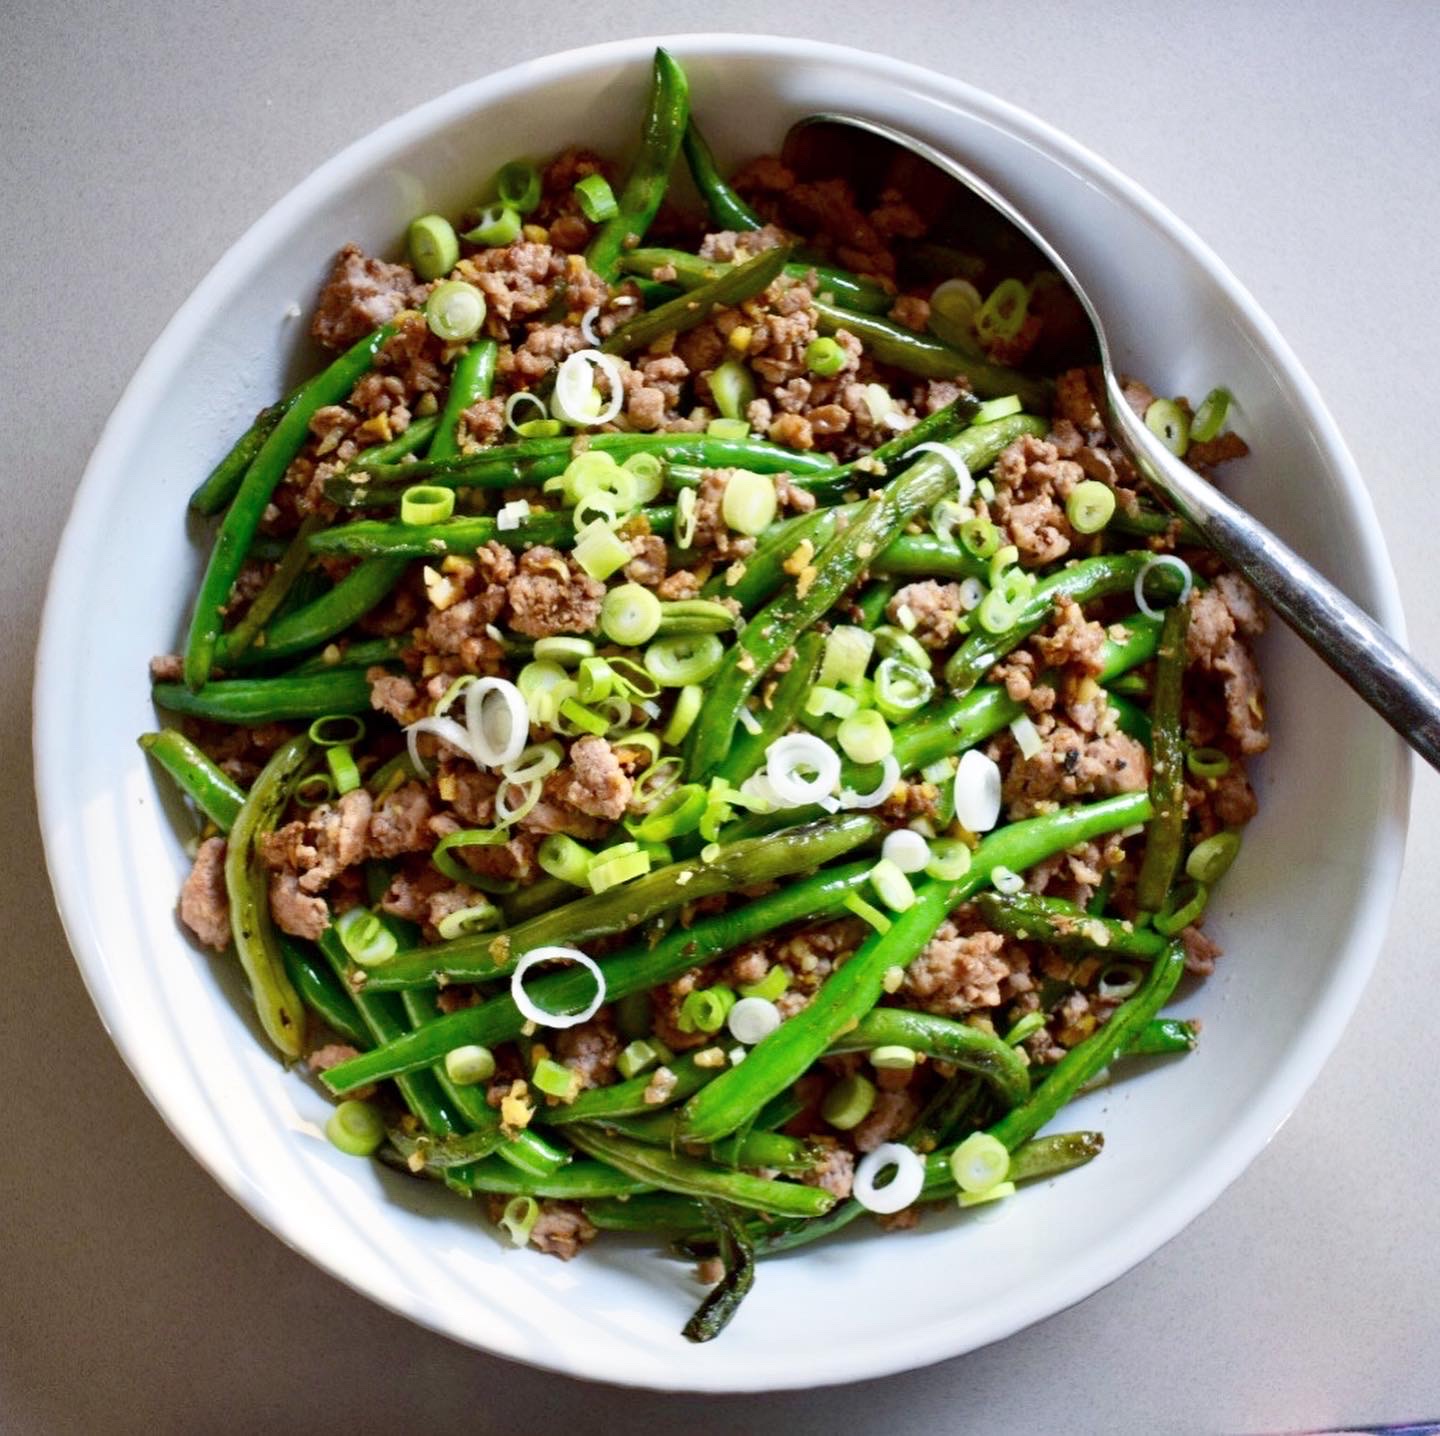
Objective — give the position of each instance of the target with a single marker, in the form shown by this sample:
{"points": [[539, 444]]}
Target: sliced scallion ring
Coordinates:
{"points": [[535, 1014]]}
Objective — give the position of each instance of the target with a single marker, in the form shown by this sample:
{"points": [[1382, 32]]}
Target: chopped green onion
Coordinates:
{"points": [[646, 474], [568, 652], [1119, 980], [1168, 422], [1090, 507], [1181, 907], [994, 409], [949, 860], [465, 1066], [1207, 762], [1210, 416], [356, 1129], [481, 917], [683, 715], [891, 886], [848, 1102], [600, 552], [343, 772], [996, 1193], [685, 659], [337, 730], [728, 429], [554, 1079], [583, 718], [1006, 881], [1027, 1026], [518, 185], [499, 225], [640, 1056], [597, 199], [979, 1163], [562, 857], [596, 680], [685, 518], [955, 300], [440, 854], [1210, 860], [867, 912], [455, 311], [980, 537], [426, 504], [995, 615], [901, 688], [630, 615], [310, 792], [893, 642], [825, 702], [1000, 560], [1003, 312], [705, 1009], [749, 503], [366, 940], [519, 1218], [825, 357], [433, 247], [865, 737], [776, 981], [847, 655], [677, 813], [732, 386], [608, 871], [539, 429], [893, 1058]]}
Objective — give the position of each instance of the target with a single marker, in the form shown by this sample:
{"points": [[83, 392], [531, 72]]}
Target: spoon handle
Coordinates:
{"points": [[1351, 642]]}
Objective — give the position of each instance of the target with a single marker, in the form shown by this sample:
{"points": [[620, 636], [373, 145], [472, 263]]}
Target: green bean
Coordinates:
{"points": [[874, 601], [647, 1212], [372, 538], [534, 898], [414, 437], [579, 1181], [242, 519], [639, 200], [322, 993], [1163, 1035], [1061, 924], [637, 968], [358, 653], [277, 587], [330, 614], [737, 865], [1085, 581], [868, 296], [852, 990], [219, 486], [1131, 718], [693, 1177], [470, 379], [1165, 835], [1033, 1161], [737, 1256], [788, 615], [757, 578], [970, 1048], [745, 1149], [929, 358], [737, 284], [1085, 1062], [1146, 522], [211, 790], [248, 889], [926, 556], [385, 1021], [627, 1099], [269, 700], [787, 702], [726, 207]]}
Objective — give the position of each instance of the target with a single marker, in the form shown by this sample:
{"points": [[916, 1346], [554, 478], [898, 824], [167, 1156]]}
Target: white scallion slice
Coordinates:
{"points": [[1027, 736], [977, 792], [907, 850], [575, 393], [446, 729], [787, 758], [752, 1018], [889, 776], [538, 1015], [901, 1191], [497, 721], [1164, 560]]}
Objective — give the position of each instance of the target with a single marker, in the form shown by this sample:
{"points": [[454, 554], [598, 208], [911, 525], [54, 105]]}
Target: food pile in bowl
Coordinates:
{"points": [[696, 727]]}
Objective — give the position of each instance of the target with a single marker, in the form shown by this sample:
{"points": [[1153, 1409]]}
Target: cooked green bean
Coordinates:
{"points": [[737, 1256], [218, 796], [363, 653], [1086, 1061], [1163, 1035], [269, 700], [736, 284], [852, 990], [926, 556], [868, 296], [248, 889], [786, 703], [579, 1181], [224, 479], [1165, 834], [470, 379], [322, 992], [1062, 924], [635, 969], [726, 207], [277, 587], [242, 519]]}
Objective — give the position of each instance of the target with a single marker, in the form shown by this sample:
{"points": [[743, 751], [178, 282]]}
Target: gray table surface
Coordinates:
{"points": [[136, 142]]}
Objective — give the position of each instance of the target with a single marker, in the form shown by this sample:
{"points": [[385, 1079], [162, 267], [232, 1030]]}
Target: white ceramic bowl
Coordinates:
{"points": [[1301, 915]]}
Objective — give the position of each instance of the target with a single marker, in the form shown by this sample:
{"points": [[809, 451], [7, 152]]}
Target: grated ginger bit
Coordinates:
{"points": [[799, 558], [447, 787], [416, 1161], [710, 1057], [1086, 690], [453, 564], [734, 573], [808, 575], [516, 1108], [894, 978], [441, 592], [430, 665], [740, 337], [376, 428]]}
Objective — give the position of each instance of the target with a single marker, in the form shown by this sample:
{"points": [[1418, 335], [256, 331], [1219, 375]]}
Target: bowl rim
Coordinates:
{"points": [[1289, 1080]]}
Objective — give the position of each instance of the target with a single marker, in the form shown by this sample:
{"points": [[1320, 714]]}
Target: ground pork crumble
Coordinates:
{"points": [[453, 617]]}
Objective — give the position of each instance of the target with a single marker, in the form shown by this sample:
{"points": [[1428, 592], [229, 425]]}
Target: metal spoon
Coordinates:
{"points": [[1376, 667]]}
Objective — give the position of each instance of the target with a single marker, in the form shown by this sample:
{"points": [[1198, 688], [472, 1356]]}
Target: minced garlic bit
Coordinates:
{"points": [[799, 557], [740, 337], [441, 592], [734, 573], [808, 575], [376, 429], [447, 787], [416, 1161], [684, 877], [894, 978], [516, 1108], [710, 1057], [745, 663]]}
